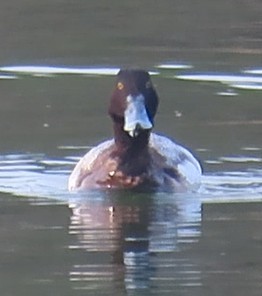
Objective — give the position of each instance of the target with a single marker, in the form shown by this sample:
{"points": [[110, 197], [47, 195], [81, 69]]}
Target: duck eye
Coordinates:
{"points": [[148, 84], [120, 85]]}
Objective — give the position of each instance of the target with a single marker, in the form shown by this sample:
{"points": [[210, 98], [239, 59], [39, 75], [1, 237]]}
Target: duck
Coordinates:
{"points": [[136, 158]]}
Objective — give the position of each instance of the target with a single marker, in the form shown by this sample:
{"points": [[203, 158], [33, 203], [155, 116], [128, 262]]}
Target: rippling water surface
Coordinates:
{"points": [[57, 68], [122, 242]]}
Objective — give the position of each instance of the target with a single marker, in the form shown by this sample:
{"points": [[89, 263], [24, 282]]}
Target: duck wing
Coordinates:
{"points": [[177, 157], [85, 165]]}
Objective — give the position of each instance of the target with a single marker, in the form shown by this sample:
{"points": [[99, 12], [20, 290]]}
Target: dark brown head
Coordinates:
{"points": [[134, 102]]}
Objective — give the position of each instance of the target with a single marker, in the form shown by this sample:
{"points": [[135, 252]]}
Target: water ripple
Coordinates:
{"points": [[50, 71], [240, 81], [53, 70], [136, 240], [36, 174], [33, 175]]}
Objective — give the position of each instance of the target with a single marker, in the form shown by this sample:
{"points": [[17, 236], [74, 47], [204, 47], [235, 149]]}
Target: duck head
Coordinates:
{"points": [[133, 105]]}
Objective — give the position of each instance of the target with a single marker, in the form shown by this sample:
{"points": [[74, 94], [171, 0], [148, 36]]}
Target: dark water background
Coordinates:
{"points": [[206, 57]]}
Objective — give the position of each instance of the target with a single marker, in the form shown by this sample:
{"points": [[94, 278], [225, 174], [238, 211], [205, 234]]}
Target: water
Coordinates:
{"points": [[57, 67]]}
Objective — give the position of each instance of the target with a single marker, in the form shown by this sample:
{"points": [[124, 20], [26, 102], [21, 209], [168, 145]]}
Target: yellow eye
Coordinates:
{"points": [[120, 85], [148, 84]]}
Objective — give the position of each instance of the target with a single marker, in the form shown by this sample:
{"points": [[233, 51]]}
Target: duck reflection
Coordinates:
{"points": [[122, 236]]}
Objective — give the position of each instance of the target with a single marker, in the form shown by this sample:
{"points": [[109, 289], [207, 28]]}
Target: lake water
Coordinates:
{"points": [[58, 60]]}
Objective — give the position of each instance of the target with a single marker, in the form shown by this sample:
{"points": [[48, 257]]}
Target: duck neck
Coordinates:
{"points": [[133, 152]]}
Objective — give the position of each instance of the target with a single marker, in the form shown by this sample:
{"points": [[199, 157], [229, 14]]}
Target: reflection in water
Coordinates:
{"points": [[130, 242], [135, 237], [174, 66], [34, 175], [223, 78], [124, 243], [135, 242], [37, 175], [234, 81], [50, 70], [254, 71], [247, 80], [8, 77], [227, 93]]}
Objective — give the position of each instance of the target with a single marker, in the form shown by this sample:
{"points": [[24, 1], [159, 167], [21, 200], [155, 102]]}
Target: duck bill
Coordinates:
{"points": [[136, 118]]}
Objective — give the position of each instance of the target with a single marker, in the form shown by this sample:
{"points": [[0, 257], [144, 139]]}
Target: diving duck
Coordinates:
{"points": [[136, 158]]}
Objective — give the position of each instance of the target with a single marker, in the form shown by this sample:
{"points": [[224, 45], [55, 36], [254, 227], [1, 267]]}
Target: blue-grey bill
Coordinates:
{"points": [[136, 118]]}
